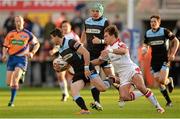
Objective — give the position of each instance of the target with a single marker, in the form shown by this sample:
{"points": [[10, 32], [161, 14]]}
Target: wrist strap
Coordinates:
{"points": [[86, 67]]}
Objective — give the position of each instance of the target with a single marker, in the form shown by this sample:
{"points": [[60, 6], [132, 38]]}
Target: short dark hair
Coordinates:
{"points": [[57, 32], [112, 30], [65, 21], [156, 16]]}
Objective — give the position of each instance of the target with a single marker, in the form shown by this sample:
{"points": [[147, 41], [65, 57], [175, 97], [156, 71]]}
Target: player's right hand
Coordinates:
{"points": [[87, 74], [4, 58]]}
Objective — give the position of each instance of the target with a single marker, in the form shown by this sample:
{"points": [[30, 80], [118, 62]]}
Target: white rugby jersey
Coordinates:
{"points": [[120, 62], [72, 35]]}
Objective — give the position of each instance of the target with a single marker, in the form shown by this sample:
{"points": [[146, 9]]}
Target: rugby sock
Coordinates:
{"points": [[65, 89], [95, 93], [135, 94], [61, 85], [80, 102], [13, 94], [165, 94], [152, 99]]}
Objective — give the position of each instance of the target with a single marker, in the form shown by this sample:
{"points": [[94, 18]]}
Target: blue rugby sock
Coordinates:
{"points": [[13, 94]]}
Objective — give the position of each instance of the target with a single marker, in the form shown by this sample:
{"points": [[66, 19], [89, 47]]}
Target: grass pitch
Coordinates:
{"points": [[45, 103]]}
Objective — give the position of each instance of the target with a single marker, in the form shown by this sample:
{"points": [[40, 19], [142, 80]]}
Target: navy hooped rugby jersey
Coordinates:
{"points": [[69, 54], [95, 28], [159, 42]]}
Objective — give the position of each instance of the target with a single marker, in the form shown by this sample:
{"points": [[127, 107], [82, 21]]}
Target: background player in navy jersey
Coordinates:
{"points": [[64, 77], [164, 45], [78, 57], [93, 40]]}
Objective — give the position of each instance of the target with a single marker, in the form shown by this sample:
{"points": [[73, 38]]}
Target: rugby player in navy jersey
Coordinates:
{"points": [[164, 46], [93, 40], [78, 57]]}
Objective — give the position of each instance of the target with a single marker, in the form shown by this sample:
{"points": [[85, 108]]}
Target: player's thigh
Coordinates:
{"points": [[17, 74], [108, 71], [98, 83], [9, 75], [164, 72], [137, 79], [76, 87]]}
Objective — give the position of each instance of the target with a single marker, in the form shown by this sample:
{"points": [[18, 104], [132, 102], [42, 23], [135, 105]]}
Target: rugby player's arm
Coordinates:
{"points": [[81, 50], [83, 38], [4, 53], [145, 46], [174, 45], [36, 45], [119, 51], [97, 61], [5, 48]]}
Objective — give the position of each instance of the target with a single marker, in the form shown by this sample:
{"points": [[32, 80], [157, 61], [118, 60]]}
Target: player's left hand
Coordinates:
{"points": [[96, 40]]}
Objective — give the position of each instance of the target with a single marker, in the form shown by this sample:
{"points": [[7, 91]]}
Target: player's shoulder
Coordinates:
{"points": [[88, 19]]}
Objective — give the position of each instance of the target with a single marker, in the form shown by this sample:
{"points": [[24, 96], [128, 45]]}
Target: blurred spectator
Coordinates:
{"points": [[177, 29], [46, 64], [118, 22], [37, 29], [62, 17], [49, 26], [175, 65], [28, 23], [77, 23], [9, 23], [1, 43]]}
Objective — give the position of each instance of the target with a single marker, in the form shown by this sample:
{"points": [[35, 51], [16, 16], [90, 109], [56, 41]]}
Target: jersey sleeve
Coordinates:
{"points": [[107, 23], [122, 45], [73, 44], [145, 39], [7, 41], [33, 39], [169, 34]]}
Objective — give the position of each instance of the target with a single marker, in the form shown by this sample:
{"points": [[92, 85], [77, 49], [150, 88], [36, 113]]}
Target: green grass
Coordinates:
{"points": [[45, 103]]}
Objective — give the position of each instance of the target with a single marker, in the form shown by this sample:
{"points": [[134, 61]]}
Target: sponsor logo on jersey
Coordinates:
{"points": [[17, 42], [159, 42], [96, 31], [68, 56]]}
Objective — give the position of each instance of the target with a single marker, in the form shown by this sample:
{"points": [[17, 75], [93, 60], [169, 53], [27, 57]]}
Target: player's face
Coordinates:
{"points": [[95, 14], [55, 40], [154, 23], [66, 28], [19, 22], [107, 38]]}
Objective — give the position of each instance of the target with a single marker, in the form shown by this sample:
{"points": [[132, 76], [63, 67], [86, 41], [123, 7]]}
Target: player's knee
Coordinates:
{"points": [[162, 82], [103, 89]]}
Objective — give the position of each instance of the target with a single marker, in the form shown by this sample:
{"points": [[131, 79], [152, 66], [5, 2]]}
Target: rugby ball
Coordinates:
{"points": [[60, 65]]}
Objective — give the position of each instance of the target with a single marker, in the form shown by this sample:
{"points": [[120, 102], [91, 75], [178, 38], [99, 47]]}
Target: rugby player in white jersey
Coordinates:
{"points": [[127, 71]]}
